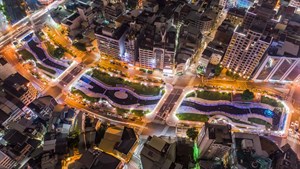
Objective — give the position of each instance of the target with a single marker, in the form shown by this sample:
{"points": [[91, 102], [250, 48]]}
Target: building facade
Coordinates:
{"points": [[245, 50], [111, 40], [6, 69], [214, 141], [6, 161], [20, 88]]}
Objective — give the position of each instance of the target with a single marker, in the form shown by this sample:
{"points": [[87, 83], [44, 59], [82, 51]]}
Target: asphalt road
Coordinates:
{"points": [[169, 103]]}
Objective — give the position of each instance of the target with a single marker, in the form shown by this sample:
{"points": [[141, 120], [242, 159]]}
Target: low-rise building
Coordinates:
{"points": [[119, 141], [43, 107], [73, 21], [157, 153], [236, 15], [18, 147], [113, 10], [9, 111], [97, 159]]}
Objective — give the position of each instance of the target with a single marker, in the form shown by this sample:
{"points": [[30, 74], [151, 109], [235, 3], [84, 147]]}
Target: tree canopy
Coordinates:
{"points": [[192, 133], [247, 95]]}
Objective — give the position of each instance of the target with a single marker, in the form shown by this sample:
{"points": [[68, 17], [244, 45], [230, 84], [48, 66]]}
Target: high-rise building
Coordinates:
{"points": [[157, 50], [111, 40], [6, 161], [249, 151], [9, 111], [5, 69], [281, 63], [246, 48], [132, 44], [214, 140], [20, 88], [146, 55]]}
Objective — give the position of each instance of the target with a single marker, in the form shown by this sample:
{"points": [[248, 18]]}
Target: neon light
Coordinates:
{"points": [[196, 155]]}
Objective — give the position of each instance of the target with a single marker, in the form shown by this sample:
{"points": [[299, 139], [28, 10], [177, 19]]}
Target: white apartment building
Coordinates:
{"points": [[132, 43], [245, 50], [146, 58], [158, 54], [111, 40], [165, 59]]}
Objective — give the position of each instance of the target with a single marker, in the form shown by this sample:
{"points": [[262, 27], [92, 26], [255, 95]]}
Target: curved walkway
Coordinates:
{"points": [[94, 88], [243, 117], [233, 110], [143, 97], [225, 102], [41, 55], [115, 104]]}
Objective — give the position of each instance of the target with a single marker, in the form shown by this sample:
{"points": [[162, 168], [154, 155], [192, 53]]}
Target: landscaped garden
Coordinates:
{"points": [[138, 113], [26, 55], [83, 95], [45, 68], [56, 52], [271, 101], [260, 121], [80, 46], [193, 117], [210, 95], [114, 81]]}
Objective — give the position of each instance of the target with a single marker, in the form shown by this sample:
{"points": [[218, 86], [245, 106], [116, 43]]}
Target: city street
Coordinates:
{"points": [[168, 104], [160, 116]]}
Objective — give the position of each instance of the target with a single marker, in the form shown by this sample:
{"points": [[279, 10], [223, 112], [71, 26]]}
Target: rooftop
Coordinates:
{"points": [[111, 31], [240, 12], [289, 48], [158, 144], [16, 84], [73, 16], [128, 140], [94, 159], [13, 137], [220, 133]]}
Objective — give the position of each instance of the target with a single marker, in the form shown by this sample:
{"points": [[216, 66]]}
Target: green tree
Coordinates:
{"points": [[247, 95], [218, 70], [73, 139], [58, 52], [192, 133]]}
